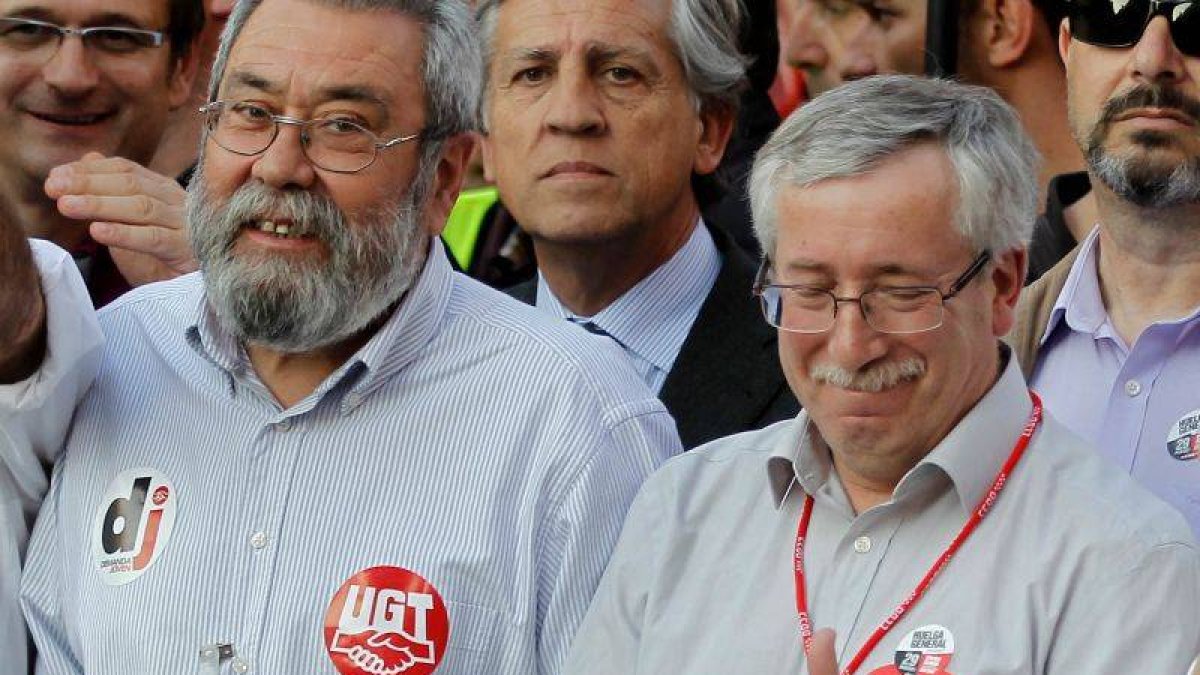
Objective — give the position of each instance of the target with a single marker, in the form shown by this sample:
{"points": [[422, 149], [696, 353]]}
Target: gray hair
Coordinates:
{"points": [[704, 34], [451, 65], [852, 129]]}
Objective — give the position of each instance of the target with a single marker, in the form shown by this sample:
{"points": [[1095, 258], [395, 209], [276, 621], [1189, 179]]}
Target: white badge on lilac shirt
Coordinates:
{"points": [[133, 524], [1183, 440]]}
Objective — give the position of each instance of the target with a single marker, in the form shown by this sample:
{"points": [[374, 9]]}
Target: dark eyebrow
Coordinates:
{"points": [[117, 19], [114, 19], [248, 79], [531, 54], [598, 52], [356, 93]]}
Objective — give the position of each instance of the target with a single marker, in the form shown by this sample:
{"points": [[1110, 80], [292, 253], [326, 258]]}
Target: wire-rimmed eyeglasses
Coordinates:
{"points": [[334, 144], [30, 35], [896, 310]]}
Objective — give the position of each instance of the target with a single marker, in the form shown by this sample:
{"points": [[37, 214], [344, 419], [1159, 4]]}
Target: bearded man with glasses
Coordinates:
{"points": [[1109, 336], [923, 505], [328, 451]]}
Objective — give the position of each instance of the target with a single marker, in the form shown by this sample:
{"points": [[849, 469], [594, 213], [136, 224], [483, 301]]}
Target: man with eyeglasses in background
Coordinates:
{"points": [[1110, 335], [923, 505], [85, 91], [330, 450]]}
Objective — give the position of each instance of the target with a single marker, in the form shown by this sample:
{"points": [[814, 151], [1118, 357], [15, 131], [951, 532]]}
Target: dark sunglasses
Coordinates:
{"points": [[1120, 23]]}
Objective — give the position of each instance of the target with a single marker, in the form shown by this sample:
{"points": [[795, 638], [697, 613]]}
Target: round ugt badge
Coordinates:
{"points": [[1183, 441], [925, 651], [132, 525], [385, 621]]}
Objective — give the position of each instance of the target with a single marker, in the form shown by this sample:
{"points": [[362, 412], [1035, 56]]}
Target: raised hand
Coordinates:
{"points": [[136, 212]]}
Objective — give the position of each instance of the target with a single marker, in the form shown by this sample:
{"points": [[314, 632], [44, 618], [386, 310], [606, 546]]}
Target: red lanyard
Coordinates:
{"points": [[806, 630]]}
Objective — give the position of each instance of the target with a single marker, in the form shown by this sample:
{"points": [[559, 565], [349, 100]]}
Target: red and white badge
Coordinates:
{"points": [[1183, 440], [925, 651], [133, 524], [386, 621]]}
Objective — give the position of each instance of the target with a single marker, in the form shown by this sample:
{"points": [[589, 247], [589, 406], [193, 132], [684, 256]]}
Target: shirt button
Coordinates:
{"points": [[240, 666], [284, 425], [1133, 388], [862, 545], [258, 539]]}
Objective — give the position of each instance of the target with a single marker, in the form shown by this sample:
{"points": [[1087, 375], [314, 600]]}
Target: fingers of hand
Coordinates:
{"points": [[134, 209], [169, 246], [114, 177], [822, 660]]}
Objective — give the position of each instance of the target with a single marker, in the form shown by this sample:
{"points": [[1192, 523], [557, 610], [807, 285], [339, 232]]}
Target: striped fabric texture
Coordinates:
{"points": [[651, 321], [474, 442]]}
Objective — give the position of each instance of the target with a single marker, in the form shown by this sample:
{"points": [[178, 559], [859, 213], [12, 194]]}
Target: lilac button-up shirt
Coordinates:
{"points": [[1138, 404]]}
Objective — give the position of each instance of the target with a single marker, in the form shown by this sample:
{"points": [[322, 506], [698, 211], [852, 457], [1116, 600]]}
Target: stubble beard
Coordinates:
{"points": [[1136, 175]]}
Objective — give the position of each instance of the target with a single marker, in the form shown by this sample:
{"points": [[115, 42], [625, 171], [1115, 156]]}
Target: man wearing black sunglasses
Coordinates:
{"points": [[1109, 334]]}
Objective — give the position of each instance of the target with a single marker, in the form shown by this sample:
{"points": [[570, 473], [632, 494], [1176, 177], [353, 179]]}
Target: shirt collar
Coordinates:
{"points": [[412, 325], [653, 318], [1080, 304], [970, 455]]}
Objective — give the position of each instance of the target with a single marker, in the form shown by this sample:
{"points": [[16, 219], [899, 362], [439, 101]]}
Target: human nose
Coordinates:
{"points": [[804, 48], [852, 342], [285, 164], [220, 9], [1155, 56], [70, 69], [573, 104], [857, 36]]}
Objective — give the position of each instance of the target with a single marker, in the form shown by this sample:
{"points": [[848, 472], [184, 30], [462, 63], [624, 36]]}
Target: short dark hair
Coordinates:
{"points": [[184, 24], [1053, 11]]}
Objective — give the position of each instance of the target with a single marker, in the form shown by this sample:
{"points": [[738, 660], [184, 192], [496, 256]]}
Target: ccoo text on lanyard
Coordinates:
{"points": [[985, 505]]}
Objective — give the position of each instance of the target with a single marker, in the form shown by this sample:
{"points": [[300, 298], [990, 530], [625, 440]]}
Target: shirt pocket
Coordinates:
{"points": [[472, 646]]}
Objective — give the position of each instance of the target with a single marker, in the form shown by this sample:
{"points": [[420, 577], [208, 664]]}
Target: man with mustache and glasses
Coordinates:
{"points": [[328, 450], [1109, 336], [924, 505]]}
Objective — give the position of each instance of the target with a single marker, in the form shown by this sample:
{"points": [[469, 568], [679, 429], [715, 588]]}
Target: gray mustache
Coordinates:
{"points": [[873, 379], [310, 214]]}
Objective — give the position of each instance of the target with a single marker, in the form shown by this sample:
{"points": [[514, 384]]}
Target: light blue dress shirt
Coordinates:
{"points": [[1139, 405], [472, 441], [651, 321]]}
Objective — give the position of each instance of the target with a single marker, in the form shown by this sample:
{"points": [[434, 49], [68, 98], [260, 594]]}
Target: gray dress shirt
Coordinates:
{"points": [[1076, 569]]}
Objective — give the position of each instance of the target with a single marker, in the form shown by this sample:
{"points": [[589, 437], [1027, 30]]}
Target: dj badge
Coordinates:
{"points": [[133, 525], [386, 621], [925, 651], [1183, 440]]}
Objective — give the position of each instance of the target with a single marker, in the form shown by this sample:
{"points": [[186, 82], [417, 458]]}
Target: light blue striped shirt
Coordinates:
{"points": [[472, 441], [652, 320]]}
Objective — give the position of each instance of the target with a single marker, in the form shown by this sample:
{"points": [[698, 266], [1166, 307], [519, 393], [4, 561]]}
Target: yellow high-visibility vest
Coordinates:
{"points": [[466, 222]]}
